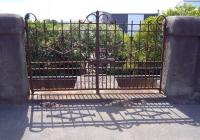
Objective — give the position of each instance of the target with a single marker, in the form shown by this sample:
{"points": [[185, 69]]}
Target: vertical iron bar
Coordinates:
{"points": [[134, 56], [46, 49], [29, 55], [146, 83], [163, 51], [71, 71], [131, 52], [115, 49], [37, 45], [97, 52], [80, 47], [62, 59], [62, 39], [155, 66], [87, 56], [120, 69], [54, 57], [138, 61], [107, 55], [88, 68]]}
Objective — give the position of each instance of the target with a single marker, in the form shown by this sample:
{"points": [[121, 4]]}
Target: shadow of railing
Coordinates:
{"points": [[113, 115], [88, 95]]}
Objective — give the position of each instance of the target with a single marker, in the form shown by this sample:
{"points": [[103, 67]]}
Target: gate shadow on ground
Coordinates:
{"points": [[85, 95], [110, 114]]}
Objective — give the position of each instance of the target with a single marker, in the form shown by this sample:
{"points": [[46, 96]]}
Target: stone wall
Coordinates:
{"points": [[181, 71], [13, 74]]}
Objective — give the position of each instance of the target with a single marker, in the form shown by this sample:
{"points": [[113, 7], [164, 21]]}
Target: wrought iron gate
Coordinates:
{"points": [[95, 54]]}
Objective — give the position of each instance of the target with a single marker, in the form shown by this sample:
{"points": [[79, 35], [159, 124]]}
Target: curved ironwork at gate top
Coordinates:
{"points": [[98, 14], [101, 15], [94, 55]]}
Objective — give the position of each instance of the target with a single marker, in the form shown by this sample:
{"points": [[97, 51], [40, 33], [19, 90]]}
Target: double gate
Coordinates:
{"points": [[95, 54]]}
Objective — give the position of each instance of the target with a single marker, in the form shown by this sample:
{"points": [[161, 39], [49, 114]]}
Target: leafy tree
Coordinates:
{"points": [[148, 40], [53, 41], [183, 10], [77, 41], [74, 39]]}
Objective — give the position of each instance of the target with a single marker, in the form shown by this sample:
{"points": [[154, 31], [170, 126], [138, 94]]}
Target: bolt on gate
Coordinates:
{"points": [[95, 54]]}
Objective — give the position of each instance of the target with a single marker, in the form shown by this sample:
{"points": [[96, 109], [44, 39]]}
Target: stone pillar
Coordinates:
{"points": [[13, 73], [181, 63]]}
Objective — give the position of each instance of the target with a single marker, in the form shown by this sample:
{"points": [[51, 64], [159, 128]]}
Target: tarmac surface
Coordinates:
{"points": [[100, 120]]}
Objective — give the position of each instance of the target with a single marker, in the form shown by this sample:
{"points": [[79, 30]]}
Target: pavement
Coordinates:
{"points": [[100, 120]]}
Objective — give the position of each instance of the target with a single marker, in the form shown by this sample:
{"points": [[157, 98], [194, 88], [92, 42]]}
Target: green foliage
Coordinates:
{"points": [[183, 10], [149, 40], [147, 43], [72, 41], [53, 41], [149, 37]]}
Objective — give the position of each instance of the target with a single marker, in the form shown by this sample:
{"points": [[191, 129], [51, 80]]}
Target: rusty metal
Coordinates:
{"points": [[97, 51], [28, 49], [93, 55], [164, 23]]}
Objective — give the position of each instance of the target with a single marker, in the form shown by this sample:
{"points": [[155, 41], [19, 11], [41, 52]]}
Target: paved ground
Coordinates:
{"points": [[95, 120], [106, 81]]}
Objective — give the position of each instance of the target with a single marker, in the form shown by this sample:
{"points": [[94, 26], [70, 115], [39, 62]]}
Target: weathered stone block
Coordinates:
{"points": [[180, 69], [13, 74]]}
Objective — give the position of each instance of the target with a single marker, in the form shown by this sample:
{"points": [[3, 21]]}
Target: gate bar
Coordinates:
{"points": [[97, 52], [27, 16]]}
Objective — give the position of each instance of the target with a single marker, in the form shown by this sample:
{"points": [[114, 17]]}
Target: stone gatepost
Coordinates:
{"points": [[13, 73], [181, 71]]}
